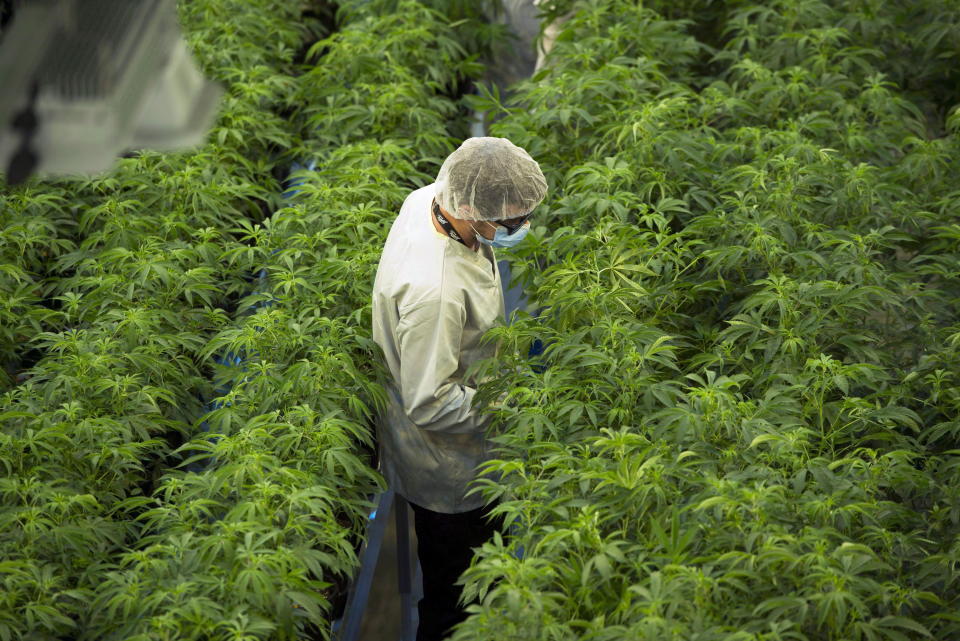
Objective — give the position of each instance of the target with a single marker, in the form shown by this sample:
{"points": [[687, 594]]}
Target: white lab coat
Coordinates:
{"points": [[433, 299]]}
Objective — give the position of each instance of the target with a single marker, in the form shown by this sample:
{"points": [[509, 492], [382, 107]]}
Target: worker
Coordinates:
{"points": [[436, 292], [529, 40]]}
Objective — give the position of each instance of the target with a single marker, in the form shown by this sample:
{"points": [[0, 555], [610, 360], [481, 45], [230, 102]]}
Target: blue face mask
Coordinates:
{"points": [[504, 239]]}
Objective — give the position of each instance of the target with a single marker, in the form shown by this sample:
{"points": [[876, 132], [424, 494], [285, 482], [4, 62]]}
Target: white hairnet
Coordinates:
{"points": [[489, 178]]}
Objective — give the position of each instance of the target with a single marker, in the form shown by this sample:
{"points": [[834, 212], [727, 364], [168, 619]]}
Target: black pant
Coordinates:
{"points": [[444, 543]]}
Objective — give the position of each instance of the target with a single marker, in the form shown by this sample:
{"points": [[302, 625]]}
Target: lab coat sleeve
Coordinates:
{"points": [[429, 336]]}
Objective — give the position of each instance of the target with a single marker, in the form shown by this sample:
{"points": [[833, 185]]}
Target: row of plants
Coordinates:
{"points": [[917, 40], [114, 286], [260, 542], [745, 422], [34, 229]]}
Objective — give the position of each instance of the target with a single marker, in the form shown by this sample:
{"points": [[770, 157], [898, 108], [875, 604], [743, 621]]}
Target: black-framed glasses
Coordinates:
{"points": [[512, 228]]}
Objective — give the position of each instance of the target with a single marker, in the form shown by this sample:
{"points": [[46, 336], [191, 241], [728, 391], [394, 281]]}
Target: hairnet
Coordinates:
{"points": [[489, 178]]}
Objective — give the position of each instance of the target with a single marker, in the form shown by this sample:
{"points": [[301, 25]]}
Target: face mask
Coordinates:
{"points": [[504, 239]]}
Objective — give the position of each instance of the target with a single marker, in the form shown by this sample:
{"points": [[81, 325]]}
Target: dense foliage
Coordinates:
{"points": [[745, 423], [186, 425], [123, 285], [748, 424]]}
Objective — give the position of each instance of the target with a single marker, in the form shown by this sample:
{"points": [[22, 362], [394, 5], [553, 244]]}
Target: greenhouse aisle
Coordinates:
{"points": [[381, 621]]}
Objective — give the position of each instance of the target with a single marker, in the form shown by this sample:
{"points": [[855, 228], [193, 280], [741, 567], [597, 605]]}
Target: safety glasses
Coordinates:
{"points": [[510, 228], [515, 227]]}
